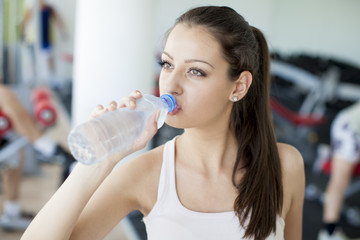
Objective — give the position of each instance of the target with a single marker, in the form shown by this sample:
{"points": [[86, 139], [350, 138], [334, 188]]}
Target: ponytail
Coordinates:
{"points": [[260, 196]]}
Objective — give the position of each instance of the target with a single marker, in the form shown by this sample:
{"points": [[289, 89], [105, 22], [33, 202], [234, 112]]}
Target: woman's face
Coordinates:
{"points": [[194, 71]]}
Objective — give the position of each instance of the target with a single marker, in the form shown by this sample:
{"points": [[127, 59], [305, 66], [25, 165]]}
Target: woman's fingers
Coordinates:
{"points": [[136, 94], [98, 110], [112, 105], [130, 101]]}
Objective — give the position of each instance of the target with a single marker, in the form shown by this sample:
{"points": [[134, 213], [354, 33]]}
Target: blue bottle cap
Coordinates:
{"points": [[169, 100]]}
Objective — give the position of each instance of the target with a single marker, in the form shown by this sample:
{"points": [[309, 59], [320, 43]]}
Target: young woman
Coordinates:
{"points": [[225, 177]]}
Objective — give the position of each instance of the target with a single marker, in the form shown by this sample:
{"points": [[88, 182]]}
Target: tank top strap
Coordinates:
{"points": [[167, 174]]}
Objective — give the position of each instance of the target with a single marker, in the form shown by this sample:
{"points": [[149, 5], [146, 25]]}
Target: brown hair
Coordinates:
{"points": [[260, 192]]}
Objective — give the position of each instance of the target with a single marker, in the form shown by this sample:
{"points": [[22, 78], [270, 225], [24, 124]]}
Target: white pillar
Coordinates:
{"points": [[113, 53]]}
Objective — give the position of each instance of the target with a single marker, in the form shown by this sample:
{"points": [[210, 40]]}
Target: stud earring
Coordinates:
{"points": [[235, 98]]}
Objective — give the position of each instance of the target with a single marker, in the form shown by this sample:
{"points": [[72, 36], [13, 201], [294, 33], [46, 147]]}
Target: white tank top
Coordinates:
{"points": [[169, 219]]}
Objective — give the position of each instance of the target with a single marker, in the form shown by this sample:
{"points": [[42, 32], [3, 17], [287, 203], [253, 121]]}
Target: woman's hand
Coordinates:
{"points": [[130, 102]]}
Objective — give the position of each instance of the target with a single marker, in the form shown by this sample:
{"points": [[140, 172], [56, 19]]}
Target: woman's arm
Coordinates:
{"points": [[294, 187], [58, 217], [132, 186]]}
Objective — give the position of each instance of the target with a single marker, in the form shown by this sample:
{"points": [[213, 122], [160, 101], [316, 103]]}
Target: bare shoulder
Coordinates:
{"points": [[147, 165], [141, 177], [293, 175], [291, 160]]}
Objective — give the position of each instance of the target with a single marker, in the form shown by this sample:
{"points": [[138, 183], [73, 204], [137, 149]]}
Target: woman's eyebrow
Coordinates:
{"points": [[198, 60], [167, 54], [189, 60]]}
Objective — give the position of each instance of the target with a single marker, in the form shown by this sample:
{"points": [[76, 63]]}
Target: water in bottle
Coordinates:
{"points": [[114, 131]]}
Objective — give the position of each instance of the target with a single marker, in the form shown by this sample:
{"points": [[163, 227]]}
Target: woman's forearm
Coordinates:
{"points": [[58, 217]]}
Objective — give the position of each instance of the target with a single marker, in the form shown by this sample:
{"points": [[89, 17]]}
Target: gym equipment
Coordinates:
{"points": [[6, 135], [44, 110], [5, 124]]}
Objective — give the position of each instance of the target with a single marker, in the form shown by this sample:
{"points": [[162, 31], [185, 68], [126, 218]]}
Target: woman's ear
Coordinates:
{"points": [[241, 86]]}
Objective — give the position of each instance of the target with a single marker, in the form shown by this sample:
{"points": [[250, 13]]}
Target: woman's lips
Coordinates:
{"points": [[175, 111]]}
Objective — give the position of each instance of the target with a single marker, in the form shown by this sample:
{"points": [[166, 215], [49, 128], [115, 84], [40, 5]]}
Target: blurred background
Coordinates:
{"points": [[102, 50]]}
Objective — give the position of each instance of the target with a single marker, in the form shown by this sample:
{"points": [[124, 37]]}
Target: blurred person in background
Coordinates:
{"points": [[47, 18], [345, 142]]}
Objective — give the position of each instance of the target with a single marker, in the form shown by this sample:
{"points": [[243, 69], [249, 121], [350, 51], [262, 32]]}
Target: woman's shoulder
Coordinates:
{"points": [[293, 179], [145, 165], [142, 177], [293, 176], [293, 172], [291, 159]]}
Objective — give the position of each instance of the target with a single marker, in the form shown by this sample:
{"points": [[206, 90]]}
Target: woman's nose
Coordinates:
{"points": [[171, 83]]}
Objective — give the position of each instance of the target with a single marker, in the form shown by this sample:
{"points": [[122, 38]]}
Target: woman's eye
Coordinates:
{"points": [[197, 73], [165, 65]]}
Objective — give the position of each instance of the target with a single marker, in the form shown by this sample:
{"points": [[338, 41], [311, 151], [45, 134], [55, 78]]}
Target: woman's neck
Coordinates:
{"points": [[210, 151]]}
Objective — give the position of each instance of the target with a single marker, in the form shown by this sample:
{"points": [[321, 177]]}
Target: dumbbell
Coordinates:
{"points": [[44, 110], [5, 124]]}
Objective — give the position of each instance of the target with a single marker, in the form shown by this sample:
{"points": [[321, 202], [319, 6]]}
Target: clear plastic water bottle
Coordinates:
{"points": [[114, 131]]}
